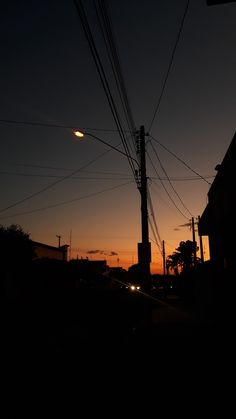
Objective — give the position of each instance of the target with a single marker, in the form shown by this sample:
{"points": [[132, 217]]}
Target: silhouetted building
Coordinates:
{"points": [[91, 266], [116, 269], [217, 221], [51, 252]]}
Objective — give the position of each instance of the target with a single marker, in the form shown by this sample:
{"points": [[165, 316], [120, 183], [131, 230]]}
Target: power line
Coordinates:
{"points": [[31, 175], [112, 52], [163, 185], [114, 174], [170, 64], [18, 122], [70, 175], [104, 81], [49, 125], [70, 170], [182, 179], [38, 166], [153, 216], [125, 153], [181, 160], [52, 184], [176, 193], [153, 232], [67, 202]]}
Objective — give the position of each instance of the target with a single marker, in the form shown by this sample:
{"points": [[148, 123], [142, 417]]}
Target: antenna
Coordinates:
{"points": [[70, 244], [59, 240]]}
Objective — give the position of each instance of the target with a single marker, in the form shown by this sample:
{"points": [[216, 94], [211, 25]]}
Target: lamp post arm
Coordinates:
{"points": [[111, 146]]}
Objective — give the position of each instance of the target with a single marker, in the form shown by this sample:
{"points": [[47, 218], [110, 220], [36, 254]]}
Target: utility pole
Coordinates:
{"points": [[59, 240], [194, 243], [144, 248], [164, 257], [200, 241]]}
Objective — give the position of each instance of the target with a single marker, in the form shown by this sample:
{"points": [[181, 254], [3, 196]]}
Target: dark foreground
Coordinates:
{"points": [[67, 321]]}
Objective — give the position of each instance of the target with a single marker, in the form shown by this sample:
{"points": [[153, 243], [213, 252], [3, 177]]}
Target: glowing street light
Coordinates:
{"points": [[144, 248], [79, 134]]}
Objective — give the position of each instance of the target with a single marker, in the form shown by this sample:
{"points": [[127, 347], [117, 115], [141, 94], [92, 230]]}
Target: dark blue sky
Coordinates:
{"points": [[48, 76]]}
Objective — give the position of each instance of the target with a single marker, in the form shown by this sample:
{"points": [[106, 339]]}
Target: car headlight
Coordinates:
{"points": [[135, 287]]}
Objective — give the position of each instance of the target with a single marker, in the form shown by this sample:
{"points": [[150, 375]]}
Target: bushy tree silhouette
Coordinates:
{"points": [[183, 259], [16, 249], [173, 263]]}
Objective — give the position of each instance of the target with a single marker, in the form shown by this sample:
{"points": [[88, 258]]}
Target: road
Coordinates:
{"points": [[99, 316]]}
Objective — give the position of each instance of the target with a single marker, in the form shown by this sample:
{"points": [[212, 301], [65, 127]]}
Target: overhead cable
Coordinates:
{"points": [[67, 202], [49, 125], [102, 75], [51, 185], [112, 52], [173, 188], [153, 215], [163, 185], [155, 237], [181, 160], [170, 65]]}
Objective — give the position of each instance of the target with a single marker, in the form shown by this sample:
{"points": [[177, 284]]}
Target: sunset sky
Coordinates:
{"points": [[53, 183]]}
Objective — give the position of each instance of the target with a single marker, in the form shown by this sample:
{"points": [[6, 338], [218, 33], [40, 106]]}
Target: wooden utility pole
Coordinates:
{"points": [[164, 257], [194, 243], [200, 242], [144, 248]]}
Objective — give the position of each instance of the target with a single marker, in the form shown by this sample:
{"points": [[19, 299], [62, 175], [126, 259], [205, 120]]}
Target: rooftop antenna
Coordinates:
{"points": [[59, 240], [70, 244]]}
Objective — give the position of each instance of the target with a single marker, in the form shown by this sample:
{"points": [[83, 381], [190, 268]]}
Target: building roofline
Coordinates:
{"points": [[47, 246], [224, 167]]}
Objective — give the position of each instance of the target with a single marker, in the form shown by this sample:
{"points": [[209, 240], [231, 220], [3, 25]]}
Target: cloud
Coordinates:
{"points": [[101, 252], [185, 225], [94, 252]]}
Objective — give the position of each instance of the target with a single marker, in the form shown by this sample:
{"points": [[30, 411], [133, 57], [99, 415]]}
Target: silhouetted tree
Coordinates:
{"points": [[183, 259], [173, 263], [16, 249]]}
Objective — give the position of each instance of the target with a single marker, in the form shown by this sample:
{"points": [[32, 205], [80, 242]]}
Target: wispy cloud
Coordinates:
{"points": [[101, 252], [94, 252], [185, 225]]}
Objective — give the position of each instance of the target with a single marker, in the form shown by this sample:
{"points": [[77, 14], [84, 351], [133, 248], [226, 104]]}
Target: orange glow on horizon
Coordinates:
{"points": [[123, 260]]}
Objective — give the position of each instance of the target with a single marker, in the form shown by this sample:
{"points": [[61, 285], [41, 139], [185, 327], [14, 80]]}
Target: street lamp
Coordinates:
{"points": [[81, 134], [144, 248]]}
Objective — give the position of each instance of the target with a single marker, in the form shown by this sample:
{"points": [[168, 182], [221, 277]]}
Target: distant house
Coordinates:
{"points": [[90, 266], [217, 221], [51, 252]]}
